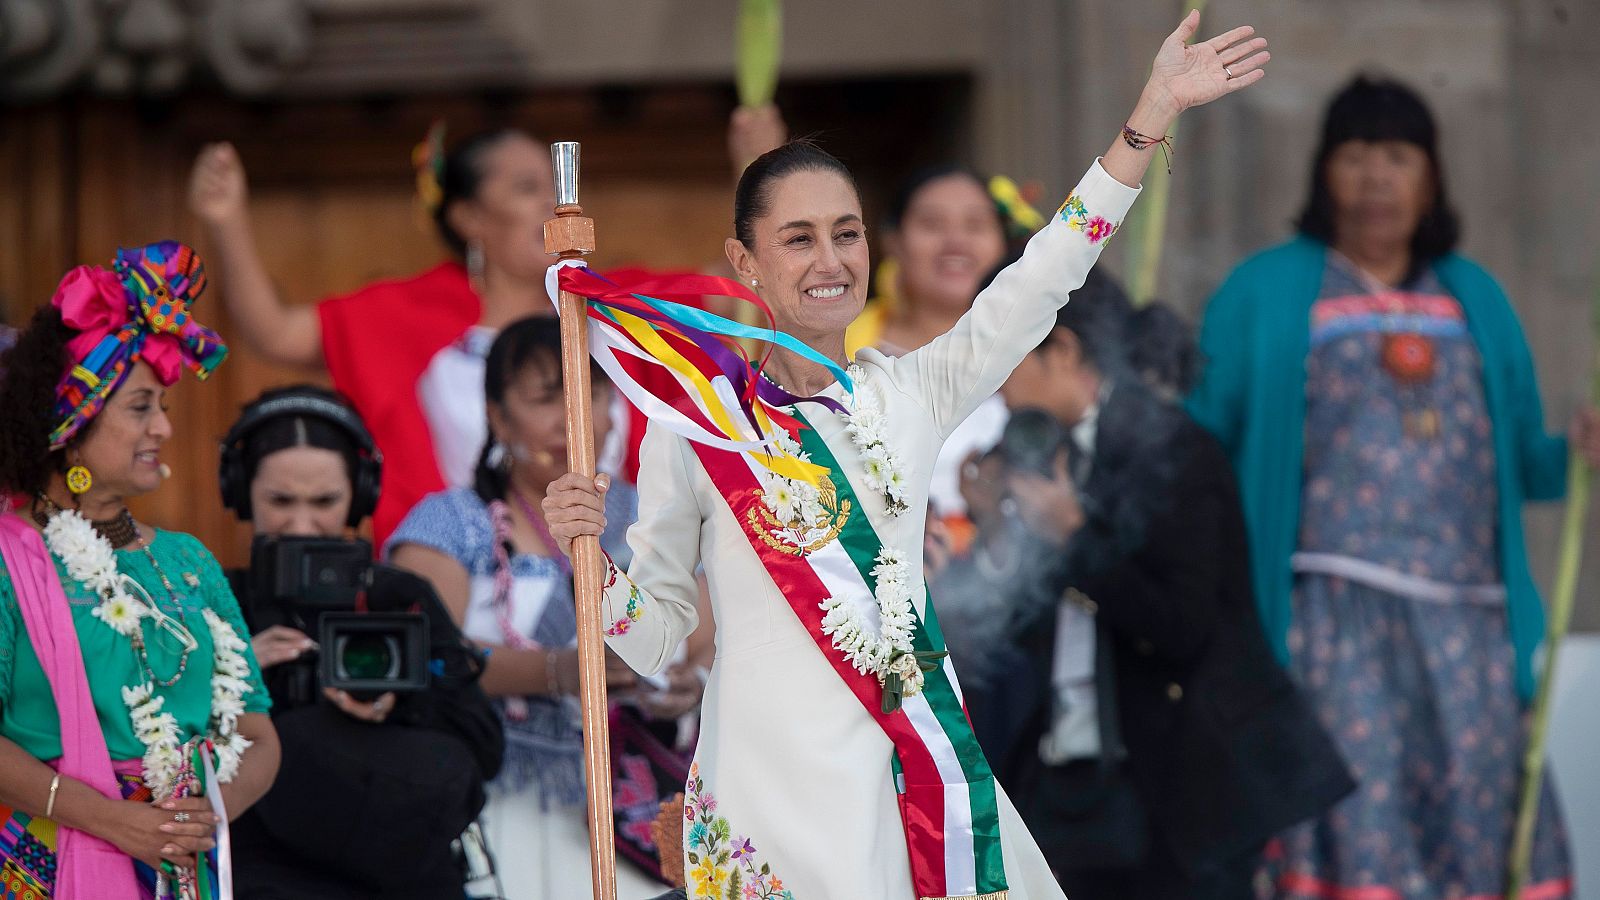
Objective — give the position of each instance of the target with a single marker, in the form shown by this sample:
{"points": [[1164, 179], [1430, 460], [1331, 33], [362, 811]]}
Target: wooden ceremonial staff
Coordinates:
{"points": [[570, 235]]}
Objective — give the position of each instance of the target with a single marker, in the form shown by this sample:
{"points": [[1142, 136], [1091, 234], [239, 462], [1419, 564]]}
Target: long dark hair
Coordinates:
{"points": [[753, 198], [29, 371], [533, 341], [1381, 109]]}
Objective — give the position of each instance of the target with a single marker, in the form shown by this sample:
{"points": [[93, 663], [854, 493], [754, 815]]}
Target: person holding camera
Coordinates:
{"points": [[489, 553], [395, 775], [132, 714], [1155, 743]]}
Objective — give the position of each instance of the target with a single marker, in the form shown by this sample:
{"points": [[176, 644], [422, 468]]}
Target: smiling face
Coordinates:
{"points": [[808, 254], [122, 445], [949, 239], [1381, 190]]}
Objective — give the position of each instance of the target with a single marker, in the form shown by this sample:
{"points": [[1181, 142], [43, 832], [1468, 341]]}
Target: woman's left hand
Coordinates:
{"points": [[1186, 75], [1584, 435], [195, 834]]}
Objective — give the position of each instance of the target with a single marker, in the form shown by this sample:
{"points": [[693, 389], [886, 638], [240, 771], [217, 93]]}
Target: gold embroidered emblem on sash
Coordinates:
{"points": [[795, 537]]}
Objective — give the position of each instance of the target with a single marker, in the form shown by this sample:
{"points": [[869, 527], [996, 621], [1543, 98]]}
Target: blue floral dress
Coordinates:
{"points": [[535, 817], [1399, 635]]}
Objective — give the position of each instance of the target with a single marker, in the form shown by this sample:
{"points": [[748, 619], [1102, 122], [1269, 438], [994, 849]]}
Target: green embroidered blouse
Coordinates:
{"points": [[27, 709]]}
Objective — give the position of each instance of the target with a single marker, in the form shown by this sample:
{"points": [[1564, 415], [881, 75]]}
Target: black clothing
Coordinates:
{"points": [[1198, 721]]}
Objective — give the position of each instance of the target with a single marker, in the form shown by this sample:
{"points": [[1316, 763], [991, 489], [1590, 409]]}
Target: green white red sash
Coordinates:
{"points": [[948, 802]]}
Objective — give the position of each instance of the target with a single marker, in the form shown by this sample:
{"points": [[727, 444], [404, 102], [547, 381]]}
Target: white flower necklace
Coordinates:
{"points": [[89, 558], [886, 653]]}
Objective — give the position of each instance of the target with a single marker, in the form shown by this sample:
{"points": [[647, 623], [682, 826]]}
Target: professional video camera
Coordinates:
{"points": [[370, 621]]}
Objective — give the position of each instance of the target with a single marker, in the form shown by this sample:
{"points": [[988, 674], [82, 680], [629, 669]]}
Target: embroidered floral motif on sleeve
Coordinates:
{"points": [[722, 865], [635, 608], [1076, 215]]}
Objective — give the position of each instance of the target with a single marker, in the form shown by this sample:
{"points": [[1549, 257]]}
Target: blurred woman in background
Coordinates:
{"points": [[1379, 403], [489, 553], [409, 352], [944, 237]]}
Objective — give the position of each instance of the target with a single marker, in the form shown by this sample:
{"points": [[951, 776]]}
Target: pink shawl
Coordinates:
{"points": [[84, 863]]}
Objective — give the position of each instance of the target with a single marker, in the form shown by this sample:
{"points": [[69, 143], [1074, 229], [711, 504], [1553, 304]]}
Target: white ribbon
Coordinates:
{"points": [[605, 341], [224, 842]]}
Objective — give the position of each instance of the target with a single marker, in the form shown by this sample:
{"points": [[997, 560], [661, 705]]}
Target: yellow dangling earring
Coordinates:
{"points": [[79, 480]]}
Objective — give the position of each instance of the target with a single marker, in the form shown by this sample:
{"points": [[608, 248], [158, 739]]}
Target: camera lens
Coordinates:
{"points": [[368, 656]]}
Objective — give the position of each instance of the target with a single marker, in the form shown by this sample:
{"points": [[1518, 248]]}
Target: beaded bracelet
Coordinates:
{"points": [[611, 569], [1144, 141]]}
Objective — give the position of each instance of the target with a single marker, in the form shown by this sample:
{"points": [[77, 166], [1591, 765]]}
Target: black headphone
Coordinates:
{"points": [[307, 401]]}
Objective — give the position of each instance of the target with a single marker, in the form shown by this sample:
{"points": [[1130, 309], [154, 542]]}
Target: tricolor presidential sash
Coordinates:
{"points": [[947, 794]]}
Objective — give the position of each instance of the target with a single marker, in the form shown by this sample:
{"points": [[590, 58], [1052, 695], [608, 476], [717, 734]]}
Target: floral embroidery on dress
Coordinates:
{"points": [[1076, 215], [633, 613], [722, 865]]}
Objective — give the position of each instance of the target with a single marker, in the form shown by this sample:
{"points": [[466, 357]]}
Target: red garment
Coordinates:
{"points": [[656, 379], [378, 342]]}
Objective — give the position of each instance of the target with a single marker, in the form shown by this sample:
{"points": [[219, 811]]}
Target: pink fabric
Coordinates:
{"points": [[93, 301], [86, 865]]}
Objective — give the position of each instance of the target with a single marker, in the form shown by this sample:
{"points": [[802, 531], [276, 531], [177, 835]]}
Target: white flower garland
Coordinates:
{"points": [[868, 429], [89, 558], [799, 504]]}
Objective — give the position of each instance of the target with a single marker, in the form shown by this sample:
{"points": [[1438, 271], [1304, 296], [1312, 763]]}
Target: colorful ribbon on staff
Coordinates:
{"points": [[715, 395]]}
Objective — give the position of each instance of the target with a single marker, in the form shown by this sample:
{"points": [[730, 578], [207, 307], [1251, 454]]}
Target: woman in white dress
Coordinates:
{"points": [[835, 759]]}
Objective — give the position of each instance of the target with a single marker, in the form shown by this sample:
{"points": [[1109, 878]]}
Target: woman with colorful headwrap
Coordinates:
{"points": [[132, 713]]}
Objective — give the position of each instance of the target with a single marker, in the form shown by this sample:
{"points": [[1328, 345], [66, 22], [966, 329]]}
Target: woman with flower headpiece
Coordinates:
{"points": [[948, 230], [409, 352], [132, 713], [835, 757]]}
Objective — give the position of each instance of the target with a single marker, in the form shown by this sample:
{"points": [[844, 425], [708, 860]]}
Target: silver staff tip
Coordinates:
{"points": [[564, 158]]}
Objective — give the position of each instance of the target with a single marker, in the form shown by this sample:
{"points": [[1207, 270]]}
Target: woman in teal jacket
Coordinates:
{"points": [[1379, 402]]}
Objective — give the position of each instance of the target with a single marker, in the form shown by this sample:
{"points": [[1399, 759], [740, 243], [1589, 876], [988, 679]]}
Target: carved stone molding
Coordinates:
{"points": [[149, 47]]}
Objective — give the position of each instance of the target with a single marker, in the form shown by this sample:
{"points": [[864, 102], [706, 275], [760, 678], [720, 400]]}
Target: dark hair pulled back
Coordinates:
{"points": [[461, 177], [753, 199], [533, 341], [29, 372], [906, 193], [287, 431]]}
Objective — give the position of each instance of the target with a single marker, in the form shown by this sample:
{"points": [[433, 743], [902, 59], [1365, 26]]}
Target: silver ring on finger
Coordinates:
{"points": [[1228, 71], [181, 817]]}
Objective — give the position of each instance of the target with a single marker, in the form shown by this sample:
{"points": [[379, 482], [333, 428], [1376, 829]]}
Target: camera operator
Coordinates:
{"points": [[375, 784]]}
